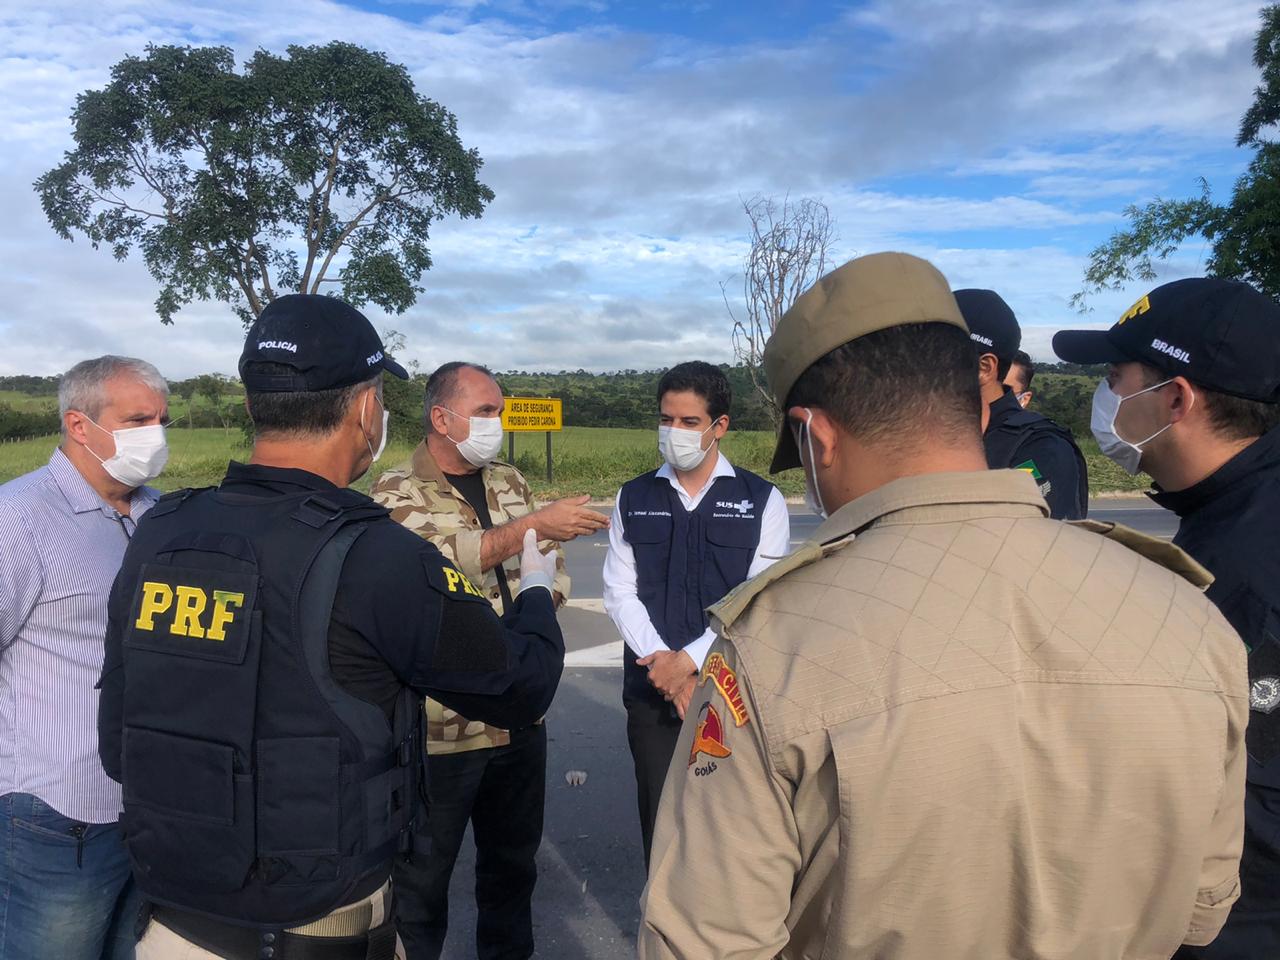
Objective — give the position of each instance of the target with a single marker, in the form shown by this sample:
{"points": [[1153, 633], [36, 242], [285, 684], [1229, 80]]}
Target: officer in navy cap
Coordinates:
{"points": [[1192, 397], [1012, 436], [268, 647]]}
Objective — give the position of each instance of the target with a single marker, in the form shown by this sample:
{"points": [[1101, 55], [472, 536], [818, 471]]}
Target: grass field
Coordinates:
{"points": [[593, 460]]}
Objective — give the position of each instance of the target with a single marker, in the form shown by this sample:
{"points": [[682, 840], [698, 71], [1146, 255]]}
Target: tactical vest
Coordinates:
{"points": [[687, 560], [1004, 438], [256, 789]]}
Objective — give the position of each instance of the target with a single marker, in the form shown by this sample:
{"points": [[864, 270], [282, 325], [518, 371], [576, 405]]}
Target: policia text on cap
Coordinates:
{"points": [[268, 647]]}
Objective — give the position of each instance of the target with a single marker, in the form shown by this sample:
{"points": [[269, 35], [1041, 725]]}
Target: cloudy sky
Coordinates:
{"points": [[1000, 139]]}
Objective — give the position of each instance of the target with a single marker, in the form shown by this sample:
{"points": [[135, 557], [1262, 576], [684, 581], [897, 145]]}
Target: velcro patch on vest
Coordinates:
{"points": [[450, 581], [721, 674], [192, 612]]}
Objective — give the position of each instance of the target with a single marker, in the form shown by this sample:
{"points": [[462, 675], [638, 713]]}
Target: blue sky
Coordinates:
{"points": [[1001, 140]]}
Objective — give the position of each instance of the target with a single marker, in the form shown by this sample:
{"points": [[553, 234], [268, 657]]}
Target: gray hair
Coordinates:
{"points": [[84, 386]]}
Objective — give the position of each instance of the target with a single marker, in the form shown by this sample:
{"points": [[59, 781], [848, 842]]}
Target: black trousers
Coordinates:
{"points": [[652, 730], [501, 792]]}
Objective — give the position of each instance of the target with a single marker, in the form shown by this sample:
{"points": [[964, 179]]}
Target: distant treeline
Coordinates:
{"points": [[627, 398]]}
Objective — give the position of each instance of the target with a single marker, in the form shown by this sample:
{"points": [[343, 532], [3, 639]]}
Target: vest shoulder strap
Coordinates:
{"points": [[173, 500], [320, 509], [1153, 548]]}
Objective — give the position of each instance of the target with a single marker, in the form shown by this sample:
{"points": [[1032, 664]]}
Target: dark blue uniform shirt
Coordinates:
{"points": [[1230, 523]]}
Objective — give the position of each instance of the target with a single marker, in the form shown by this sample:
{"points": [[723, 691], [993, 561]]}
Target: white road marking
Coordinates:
{"points": [[603, 655]]}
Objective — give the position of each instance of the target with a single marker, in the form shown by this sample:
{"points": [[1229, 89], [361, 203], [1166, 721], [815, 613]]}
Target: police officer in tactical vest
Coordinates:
{"points": [[682, 536], [268, 648], [1192, 398], [1014, 437]]}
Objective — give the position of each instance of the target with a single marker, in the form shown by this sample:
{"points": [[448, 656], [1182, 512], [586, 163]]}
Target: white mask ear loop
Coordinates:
{"points": [[813, 464], [1163, 383], [375, 454]]}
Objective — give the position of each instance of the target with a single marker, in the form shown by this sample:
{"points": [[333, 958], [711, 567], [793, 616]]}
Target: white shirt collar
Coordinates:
{"points": [[723, 469]]}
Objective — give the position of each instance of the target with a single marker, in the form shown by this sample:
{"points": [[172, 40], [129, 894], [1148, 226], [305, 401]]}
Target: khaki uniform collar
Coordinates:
{"points": [[1003, 487]]}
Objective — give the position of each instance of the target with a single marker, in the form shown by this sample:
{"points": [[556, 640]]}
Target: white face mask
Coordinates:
{"points": [[682, 448], [1106, 407], [386, 420], [141, 453], [483, 443], [812, 497]]}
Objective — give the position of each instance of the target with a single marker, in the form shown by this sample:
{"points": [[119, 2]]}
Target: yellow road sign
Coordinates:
{"points": [[532, 414]]}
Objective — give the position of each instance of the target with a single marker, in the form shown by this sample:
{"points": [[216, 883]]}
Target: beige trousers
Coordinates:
{"points": [[161, 943]]}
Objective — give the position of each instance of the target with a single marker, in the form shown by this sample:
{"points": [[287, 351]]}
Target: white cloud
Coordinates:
{"points": [[619, 159]]}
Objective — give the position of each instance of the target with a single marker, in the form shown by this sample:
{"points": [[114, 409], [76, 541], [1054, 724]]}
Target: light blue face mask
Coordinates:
{"points": [[1106, 407]]}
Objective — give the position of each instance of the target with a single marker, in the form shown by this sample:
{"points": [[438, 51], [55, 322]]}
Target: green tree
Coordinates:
{"points": [[320, 167], [1244, 233], [214, 387]]}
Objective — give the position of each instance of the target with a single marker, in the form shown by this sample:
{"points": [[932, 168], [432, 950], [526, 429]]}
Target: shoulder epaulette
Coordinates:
{"points": [[1153, 548], [737, 600]]}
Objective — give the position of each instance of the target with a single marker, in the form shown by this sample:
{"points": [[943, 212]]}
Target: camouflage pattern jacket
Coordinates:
{"points": [[421, 499]]}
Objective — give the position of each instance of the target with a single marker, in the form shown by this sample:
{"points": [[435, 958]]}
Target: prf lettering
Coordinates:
{"points": [[455, 581], [1137, 310], [188, 605]]}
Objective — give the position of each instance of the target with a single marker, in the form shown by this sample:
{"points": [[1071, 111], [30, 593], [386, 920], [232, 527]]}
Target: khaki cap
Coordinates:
{"points": [[865, 295]]}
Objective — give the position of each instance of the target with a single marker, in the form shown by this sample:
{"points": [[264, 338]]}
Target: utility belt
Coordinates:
{"points": [[345, 934]]}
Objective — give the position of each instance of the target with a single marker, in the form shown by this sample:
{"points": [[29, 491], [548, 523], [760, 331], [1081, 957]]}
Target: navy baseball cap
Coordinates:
{"points": [[1221, 334], [327, 343], [992, 326]]}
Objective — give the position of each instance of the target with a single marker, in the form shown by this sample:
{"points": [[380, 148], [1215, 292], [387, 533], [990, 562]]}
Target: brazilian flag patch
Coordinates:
{"points": [[1030, 467]]}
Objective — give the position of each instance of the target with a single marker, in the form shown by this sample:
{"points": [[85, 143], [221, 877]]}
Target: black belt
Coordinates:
{"points": [[250, 943]]}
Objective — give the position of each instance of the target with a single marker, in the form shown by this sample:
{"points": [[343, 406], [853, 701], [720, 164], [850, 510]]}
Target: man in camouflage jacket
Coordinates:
{"points": [[477, 773]]}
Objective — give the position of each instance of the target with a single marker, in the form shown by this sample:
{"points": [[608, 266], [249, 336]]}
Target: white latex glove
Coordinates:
{"points": [[537, 569]]}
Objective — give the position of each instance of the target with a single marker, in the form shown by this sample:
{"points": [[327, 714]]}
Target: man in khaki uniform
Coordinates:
{"points": [[476, 511], [947, 726]]}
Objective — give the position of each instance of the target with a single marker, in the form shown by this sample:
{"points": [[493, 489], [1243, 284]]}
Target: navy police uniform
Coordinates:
{"points": [[269, 642], [1225, 336], [1230, 523], [1029, 441], [1023, 439]]}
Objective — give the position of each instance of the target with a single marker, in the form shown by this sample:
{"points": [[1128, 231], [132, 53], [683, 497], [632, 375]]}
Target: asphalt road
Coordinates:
{"points": [[591, 871]]}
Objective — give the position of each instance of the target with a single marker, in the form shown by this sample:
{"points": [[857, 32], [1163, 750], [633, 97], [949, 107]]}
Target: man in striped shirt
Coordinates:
{"points": [[65, 886]]}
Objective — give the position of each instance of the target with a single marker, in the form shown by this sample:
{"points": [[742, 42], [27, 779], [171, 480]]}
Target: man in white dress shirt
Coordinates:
{"points": [[682, 537]]}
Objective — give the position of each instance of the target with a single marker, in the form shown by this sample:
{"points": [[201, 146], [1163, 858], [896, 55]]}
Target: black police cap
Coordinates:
{"points": [[1221, 334], [992, 326], [325, 342]]}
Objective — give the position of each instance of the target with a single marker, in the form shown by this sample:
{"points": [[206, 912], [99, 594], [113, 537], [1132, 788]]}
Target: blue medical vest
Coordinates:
{"points": [[687, 560]]}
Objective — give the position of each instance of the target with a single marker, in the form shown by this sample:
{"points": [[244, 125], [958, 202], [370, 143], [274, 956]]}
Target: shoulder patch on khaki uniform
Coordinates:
{"points": [[717, 670], [735, 602], [1153, 548]]}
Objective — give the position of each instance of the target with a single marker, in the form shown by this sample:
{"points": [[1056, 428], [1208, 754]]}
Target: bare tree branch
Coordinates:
{"points": [[790, 243], [381, 198], [321, 215]]}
